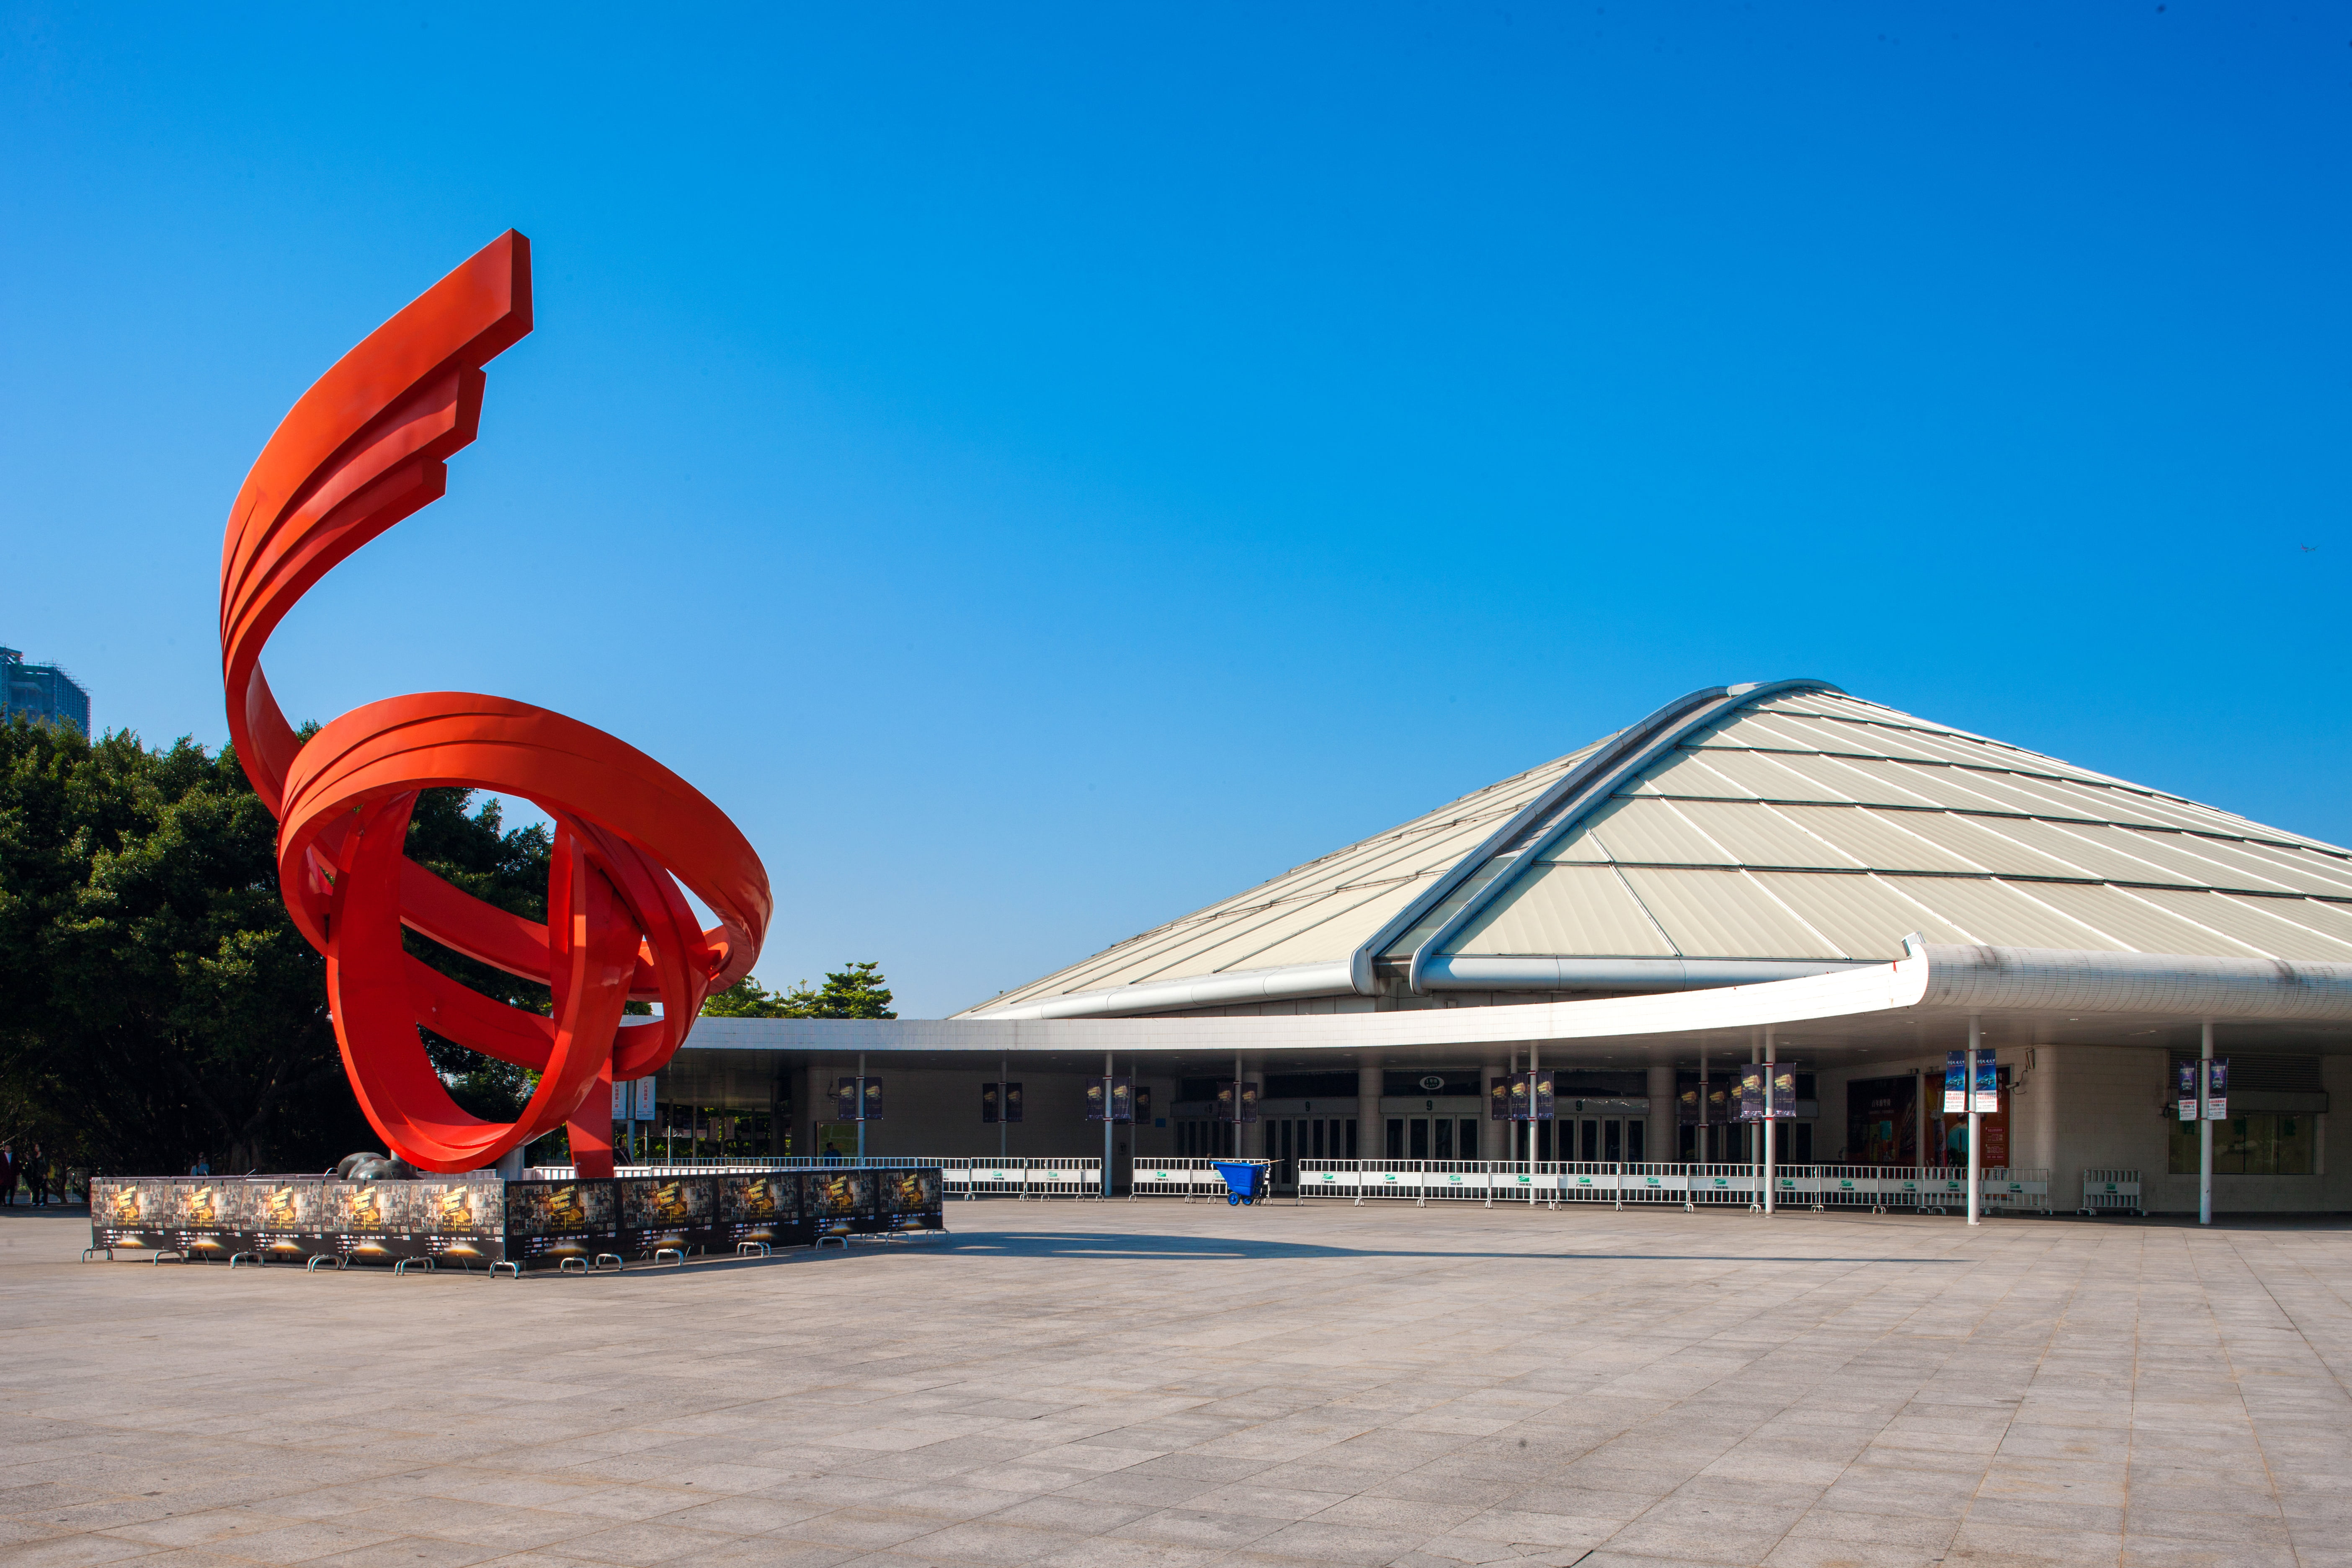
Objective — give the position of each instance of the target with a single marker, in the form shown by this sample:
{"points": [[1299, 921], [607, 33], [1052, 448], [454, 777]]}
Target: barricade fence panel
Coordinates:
{"points": [[1873, 1187], [2108, 1190]]}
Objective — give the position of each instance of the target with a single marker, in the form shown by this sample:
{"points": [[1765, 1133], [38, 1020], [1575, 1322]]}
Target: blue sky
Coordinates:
{"points": [[1041, 469]]}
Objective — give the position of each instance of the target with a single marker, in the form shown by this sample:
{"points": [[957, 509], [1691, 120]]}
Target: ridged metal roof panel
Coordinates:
{"points": [[1726, 914], [1583, 909]]}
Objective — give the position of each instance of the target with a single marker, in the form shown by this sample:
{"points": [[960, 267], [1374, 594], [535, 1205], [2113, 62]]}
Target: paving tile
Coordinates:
{"points": [[1130, 1386]]}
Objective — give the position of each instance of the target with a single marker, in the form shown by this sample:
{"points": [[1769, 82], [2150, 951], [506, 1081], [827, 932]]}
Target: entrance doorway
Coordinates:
{"points": [[1432, 1138]]}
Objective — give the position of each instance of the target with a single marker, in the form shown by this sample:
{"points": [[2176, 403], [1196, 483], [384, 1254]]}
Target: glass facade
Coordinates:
{"points": [[42, 692], [2258, 1143]]}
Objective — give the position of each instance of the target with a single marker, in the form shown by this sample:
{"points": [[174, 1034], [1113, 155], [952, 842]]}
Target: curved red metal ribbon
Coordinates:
{"points": [[364, 449]]}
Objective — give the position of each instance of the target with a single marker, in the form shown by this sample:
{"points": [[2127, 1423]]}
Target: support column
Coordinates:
{"points": [[1370, 1129], [861, 1107], [1976, 1157], [2204, 1129], [1665, 1125], [1770, 1128]]}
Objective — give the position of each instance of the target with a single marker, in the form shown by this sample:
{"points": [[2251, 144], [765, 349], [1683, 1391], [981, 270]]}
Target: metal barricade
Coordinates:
{"points": [[1457, 1179], [2109, 1191], [1329, 1179], [1186, 1176], [2010, 1188], [1654, 1182], [1720, 1184]]}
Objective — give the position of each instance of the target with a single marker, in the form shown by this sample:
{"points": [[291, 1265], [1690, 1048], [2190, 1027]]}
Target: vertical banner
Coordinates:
{"points": [[991, 1098], [870, 1102], [645, 1105], [1718, 1101], [845, 1099], [1956, 1083], [1122, 1099], [1751, 1092], [1784, 1091], [1249, 1102], [1539, 1097], [1143, 1102], [1988, 1097], [2217, 1090], [621, 1099], [2184, 1089], [1098, 1099], [1226, 1109], [1011, 1103], [1499, 1099]]}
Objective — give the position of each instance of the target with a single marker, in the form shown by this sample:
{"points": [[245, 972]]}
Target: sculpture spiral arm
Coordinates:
{"points": [[365, 447]]}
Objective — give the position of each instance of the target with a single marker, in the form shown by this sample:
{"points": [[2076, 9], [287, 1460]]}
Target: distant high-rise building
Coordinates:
{"points": [[41, 692]]}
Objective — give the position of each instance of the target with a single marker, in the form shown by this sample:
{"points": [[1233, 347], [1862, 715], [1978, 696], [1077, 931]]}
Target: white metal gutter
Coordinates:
{"points": [[2040, 979]]}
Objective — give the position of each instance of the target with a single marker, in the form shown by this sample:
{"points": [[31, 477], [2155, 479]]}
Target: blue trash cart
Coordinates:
{"points": [[1246, 1180]]}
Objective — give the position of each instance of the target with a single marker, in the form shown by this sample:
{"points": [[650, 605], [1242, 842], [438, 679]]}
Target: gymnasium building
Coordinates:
{"points": [[1768, 871]]}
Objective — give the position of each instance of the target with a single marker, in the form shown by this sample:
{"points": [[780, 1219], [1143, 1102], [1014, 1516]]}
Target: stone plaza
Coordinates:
{"points": [[1172, 1385]]}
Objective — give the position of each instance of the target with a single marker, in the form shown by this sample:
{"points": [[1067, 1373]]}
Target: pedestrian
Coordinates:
{"points": [[35, 1167], [201, 1167], [7, 1177]]}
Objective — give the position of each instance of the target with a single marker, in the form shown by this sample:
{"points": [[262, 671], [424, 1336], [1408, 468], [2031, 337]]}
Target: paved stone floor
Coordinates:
{"points": [[1170, 1385]]}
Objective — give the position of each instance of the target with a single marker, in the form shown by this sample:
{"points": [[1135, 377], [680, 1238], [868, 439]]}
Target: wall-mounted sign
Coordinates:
{"points": [[1432, 1082]]}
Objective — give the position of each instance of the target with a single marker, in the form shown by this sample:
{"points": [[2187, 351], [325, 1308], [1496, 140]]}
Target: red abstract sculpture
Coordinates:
{"points": [[362, 449]]}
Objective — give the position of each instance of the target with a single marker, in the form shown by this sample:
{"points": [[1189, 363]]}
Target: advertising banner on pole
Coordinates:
{"points": [[2217, 1090], [645, 1105], [1539, 1097], [1956, 1083], [1988, 1097], [1143, 1102], [857, 1099], [845, 1099], [1110, 1099], [621, 1099], [2184, 1089], [1499, 1099], [1751, 1092], [1784, 1091], [1686, 1105], [1225, 1108]]}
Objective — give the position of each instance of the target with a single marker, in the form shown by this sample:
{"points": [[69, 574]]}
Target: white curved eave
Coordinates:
{"points": [[1930, 978]]}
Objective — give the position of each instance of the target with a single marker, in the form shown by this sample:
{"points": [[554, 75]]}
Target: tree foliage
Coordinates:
{"points": [[155, 999], [856, 991]]}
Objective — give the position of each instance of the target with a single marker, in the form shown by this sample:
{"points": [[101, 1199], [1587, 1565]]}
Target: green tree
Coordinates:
{"points": [[855, 992], [159, 1001]]}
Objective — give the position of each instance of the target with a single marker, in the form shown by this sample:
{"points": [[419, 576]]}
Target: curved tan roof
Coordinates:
{"points": [[1789, 822]]}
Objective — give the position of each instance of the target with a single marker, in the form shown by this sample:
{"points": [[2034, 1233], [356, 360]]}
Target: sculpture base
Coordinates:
{"points": [[480, 1219]]}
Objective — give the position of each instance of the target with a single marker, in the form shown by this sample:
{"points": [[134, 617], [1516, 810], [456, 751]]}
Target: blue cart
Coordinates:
{"points": [[1245, 1180]]}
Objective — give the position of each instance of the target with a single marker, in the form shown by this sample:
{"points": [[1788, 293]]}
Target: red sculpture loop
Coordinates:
{"points": [[362, 449]]}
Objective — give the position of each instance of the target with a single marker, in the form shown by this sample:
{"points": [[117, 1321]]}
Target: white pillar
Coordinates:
{"points": [[1664, 1122], [1107, 1124], [1369, 1129], [1771, 1144], [1253, 1139], [861, 1107], [1492, 1143], [2204, 1131], [1752, 1156], [1976, 1157], [1698, 1135], [1532, 1124]]}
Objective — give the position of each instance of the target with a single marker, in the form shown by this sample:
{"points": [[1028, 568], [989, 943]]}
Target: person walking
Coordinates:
{"points": [[7, 1177], [201, 1167], [35, 1167]]}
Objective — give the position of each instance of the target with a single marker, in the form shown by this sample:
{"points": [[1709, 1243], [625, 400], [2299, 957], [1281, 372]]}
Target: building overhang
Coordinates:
{"points": [[1919, 1003]]}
